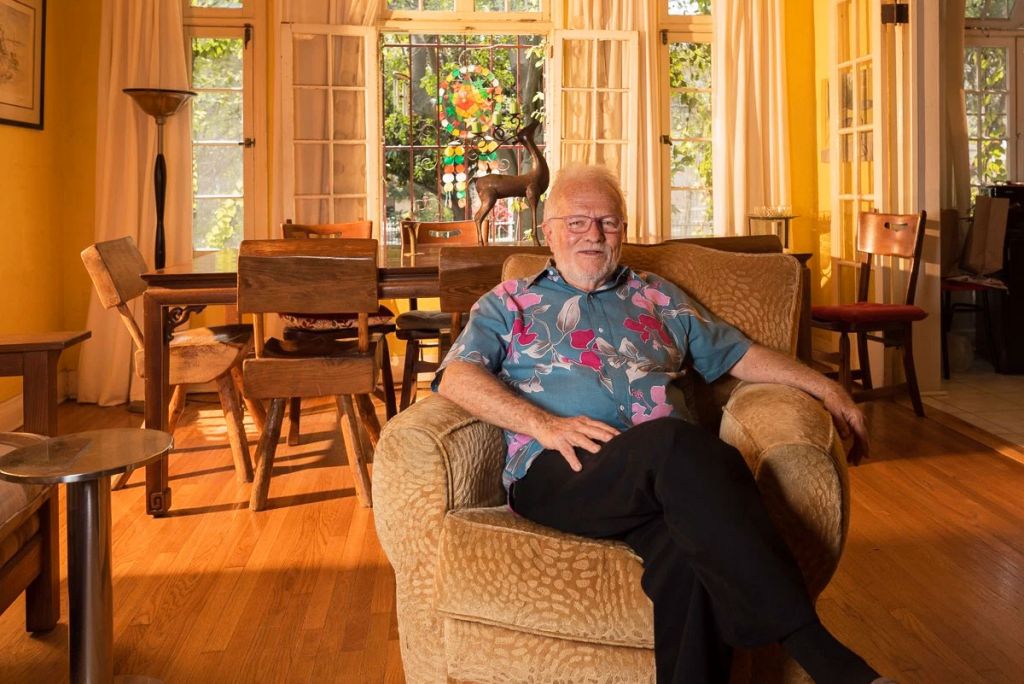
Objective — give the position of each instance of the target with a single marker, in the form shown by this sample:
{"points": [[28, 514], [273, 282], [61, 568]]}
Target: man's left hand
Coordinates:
{"points": [[849, 419]]}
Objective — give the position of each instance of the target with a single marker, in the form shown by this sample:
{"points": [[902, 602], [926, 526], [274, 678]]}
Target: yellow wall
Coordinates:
{"points": [[46, 187]]}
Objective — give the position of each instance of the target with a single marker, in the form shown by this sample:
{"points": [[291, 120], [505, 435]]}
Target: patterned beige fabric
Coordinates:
{"points": [[434, 462], [500, 568], [490, 654]]}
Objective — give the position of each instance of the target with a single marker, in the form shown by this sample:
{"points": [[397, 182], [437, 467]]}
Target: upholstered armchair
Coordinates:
{"points": [[484, 595]]}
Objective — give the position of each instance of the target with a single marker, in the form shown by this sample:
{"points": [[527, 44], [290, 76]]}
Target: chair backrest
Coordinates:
{"points": [[416, 233], [307, 276], [116, 268], [348, 229], [889, 235], [467, 273]]}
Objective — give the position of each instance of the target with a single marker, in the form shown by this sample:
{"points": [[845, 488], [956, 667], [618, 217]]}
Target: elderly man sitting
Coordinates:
{"points": [[576, 365]]}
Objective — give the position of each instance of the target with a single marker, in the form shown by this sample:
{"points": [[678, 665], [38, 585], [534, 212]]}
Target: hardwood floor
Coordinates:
{"points": [[930, 588]]}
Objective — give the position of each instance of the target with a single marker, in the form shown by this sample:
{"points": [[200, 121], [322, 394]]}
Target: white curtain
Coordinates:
{"points": [[750, 128], [141, 45], [958, 188]]}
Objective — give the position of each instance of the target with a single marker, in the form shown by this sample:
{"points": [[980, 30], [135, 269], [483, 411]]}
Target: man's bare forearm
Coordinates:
{"points": [[761, 364], [489, 399]]}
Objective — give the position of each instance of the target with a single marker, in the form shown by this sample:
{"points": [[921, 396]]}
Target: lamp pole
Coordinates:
{"points": [[160, 103]]}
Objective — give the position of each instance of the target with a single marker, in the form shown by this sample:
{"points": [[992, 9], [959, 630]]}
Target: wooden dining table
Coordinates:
{"points": [[176, 292]]}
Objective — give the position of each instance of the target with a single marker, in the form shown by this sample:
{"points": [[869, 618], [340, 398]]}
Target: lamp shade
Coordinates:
{"points": [[159, 103]]}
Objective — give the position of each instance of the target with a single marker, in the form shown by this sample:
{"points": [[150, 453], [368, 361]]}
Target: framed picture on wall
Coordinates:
{"points": [[22, 48]]}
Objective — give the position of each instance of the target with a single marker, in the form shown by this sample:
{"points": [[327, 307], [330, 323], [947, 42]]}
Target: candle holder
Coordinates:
{"points": [[159, 103]]}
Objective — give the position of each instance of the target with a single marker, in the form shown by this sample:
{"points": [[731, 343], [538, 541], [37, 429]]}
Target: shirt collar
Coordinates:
{"points": [[550, 271]]}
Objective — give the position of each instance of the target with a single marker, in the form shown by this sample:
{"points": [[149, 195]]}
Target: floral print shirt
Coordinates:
{"points": [[610, 354]]}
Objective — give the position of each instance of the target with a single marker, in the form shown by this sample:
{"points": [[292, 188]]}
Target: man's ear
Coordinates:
{"points": [[546, 231]]}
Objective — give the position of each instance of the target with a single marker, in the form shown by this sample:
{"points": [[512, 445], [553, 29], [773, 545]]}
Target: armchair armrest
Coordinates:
{"points": [[431, 458], [788, 440]]}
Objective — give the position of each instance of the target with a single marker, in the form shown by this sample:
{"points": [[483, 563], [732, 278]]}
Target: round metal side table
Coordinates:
{"points": [[84, 461]]}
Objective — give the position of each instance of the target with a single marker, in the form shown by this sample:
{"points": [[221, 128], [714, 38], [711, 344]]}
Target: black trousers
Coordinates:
{"points": [[715, 567]]}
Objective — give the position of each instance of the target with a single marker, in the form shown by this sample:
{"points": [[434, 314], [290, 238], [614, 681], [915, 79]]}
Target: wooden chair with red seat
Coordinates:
{"points": [[312, 277], [342, 326], [197, 356], [427, 329], [892, 235]]}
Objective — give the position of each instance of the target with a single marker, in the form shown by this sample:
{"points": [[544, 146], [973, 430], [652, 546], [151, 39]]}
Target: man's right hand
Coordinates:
{"points": [[565, 434]]}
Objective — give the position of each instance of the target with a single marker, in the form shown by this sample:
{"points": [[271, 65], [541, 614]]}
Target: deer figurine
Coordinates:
{"points": [[532, 185]]}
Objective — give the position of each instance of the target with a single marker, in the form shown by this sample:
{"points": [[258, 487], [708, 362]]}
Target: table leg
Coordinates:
{"points": [[40, 391], [91, 618], [157, 360]]}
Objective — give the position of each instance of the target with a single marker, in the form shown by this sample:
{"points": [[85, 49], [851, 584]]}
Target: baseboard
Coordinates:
{"points": [[11, 414]]}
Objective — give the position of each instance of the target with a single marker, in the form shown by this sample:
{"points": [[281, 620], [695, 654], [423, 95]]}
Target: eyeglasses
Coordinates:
{"points": [[579, 224]]}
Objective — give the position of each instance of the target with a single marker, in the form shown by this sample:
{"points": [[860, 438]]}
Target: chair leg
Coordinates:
{"points": [[388, 380], [844, 361], [911, 373], [254, 406], [294, 411], [865, 360], [175, 408], [356, 455], [265, 455], [412, 353], [232, 407], [174, 411], [369, 418], [946, 322], [990, 335], [42, 596]]}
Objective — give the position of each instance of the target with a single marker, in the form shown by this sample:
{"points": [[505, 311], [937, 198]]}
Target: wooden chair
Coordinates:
{"points": [[427, 329], [899, 235], [29, 544], [283, 275], [342, 326], [197, 356]]}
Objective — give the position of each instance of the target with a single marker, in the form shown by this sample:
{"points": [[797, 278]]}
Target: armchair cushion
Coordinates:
{"points": [[496, 567]]}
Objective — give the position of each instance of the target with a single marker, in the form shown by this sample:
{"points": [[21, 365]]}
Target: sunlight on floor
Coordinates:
{"points": [[991, 401]]}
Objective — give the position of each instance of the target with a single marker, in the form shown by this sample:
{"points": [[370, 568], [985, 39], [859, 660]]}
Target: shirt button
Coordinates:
{"points": [[621, 407], [600, 330]]}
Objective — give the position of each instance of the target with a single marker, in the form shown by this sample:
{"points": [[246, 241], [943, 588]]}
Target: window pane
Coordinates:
{"points": [[216, 62], [449, 103], [690, 114], [349, 115], [986, 82], [217, 116], [689, 158], [222, 4], [310, 67], [218, 169], [348, 61], [311, 114], [989, 9], [218, 185], [217, 223], [689, 65], [689, 7]]}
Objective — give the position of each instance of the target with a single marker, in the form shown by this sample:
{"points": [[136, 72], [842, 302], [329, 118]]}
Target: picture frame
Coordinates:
{"points": [[22, 57]]}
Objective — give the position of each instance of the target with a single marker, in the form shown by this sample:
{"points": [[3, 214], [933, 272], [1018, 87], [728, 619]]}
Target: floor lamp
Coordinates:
{"points": [[159, 103]]}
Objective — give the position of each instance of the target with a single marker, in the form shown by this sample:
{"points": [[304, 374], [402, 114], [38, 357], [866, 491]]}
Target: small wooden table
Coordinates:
{"points": [[34, 356], [84, 462]]}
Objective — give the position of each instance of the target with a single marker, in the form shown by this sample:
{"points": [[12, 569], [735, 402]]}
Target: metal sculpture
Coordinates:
{"points": [[532, 185]]}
